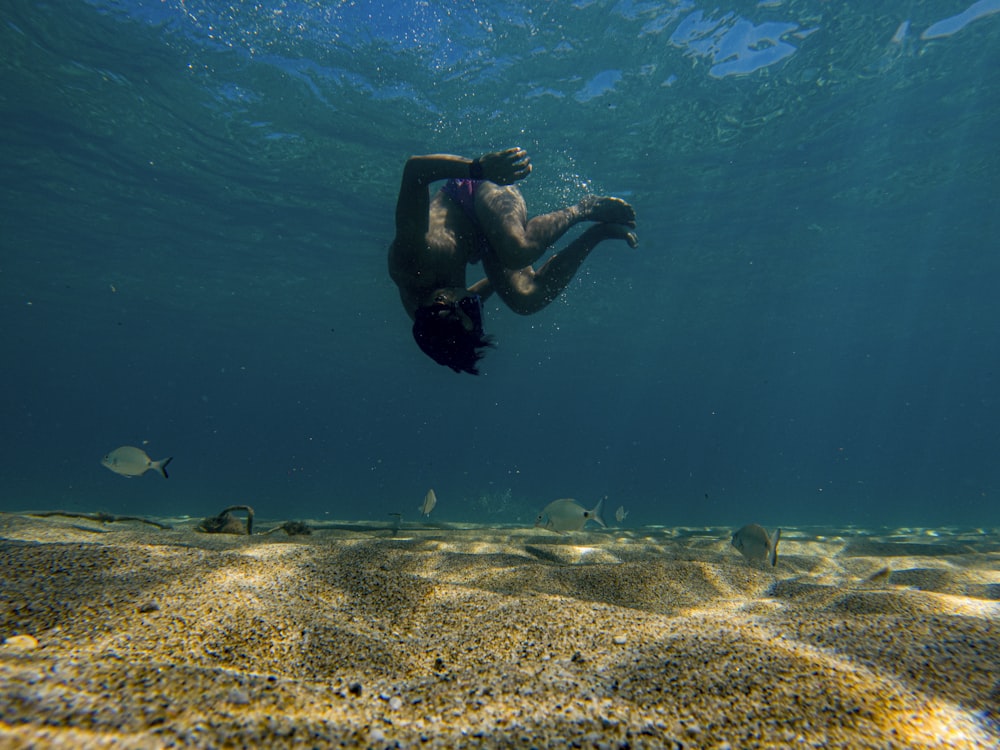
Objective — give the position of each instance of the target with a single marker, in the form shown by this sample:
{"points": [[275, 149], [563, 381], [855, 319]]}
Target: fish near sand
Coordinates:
{"points": [[879, 578], [755, 545], [397, 522], [621, 514], [568, 515], [133, 462], [430, 500]]}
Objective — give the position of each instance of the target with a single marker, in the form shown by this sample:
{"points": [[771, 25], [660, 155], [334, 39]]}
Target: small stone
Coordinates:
{"points": [[354, 688], [21, 642], [395, 703], [147, 607], [620, 640]]}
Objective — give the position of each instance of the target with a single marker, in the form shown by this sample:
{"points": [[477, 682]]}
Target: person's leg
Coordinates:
{"points": [[517, 241], [527, 290]]}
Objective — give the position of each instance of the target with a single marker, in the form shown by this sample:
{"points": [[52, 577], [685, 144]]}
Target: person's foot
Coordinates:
{"points": [[607, 209], [609, 231]]}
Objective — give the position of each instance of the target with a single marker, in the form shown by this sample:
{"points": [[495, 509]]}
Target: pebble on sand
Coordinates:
{"points": [[21, 642]]}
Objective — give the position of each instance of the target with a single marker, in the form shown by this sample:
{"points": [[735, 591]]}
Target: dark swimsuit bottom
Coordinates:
{"points": [[463, 192]]}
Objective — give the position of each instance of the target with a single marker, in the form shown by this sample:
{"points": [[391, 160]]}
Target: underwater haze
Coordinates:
{"points": [[197, 199]]}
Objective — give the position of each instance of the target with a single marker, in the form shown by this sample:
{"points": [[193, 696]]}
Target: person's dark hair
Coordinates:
{"points": [[443, 338]]}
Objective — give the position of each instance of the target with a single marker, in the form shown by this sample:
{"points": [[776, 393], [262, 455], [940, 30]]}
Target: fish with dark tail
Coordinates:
{"points": [[755, 545], [566, 514], [133, 462]]}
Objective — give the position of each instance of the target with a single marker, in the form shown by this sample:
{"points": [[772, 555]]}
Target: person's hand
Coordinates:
{"points": [[506, 167]]}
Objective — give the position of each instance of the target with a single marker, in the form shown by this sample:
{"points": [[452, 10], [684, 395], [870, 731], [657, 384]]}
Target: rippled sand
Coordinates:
{"points": [[485, 637]]}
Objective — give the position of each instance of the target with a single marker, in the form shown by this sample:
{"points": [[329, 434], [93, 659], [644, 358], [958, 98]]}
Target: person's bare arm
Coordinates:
{"points": [[483, 287]]}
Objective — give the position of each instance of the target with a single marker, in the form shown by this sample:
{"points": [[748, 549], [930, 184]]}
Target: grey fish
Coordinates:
{"points": [[133, 462], [755, 545], [878, 578], [430, 500], [568, 515], [621, 514]]}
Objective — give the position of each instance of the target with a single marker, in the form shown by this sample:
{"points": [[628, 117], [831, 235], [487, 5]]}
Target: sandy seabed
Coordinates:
{"points": [[127, 636]]}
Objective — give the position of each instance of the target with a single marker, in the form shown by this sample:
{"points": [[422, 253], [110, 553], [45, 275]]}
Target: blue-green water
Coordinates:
{"points": [[197, 199]]}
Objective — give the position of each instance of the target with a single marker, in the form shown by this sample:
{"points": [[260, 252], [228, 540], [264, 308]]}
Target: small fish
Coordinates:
{"points": [[133, 462], [878, 578], [755, 545], [568, 515], [397, 522], [621, 514], [430, 500]]}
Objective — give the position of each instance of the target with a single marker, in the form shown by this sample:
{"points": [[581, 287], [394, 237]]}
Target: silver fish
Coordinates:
{"points": [[621, 514], [133, 462], [755, 545], [879, 578], [430, 500], [568, 515]]}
